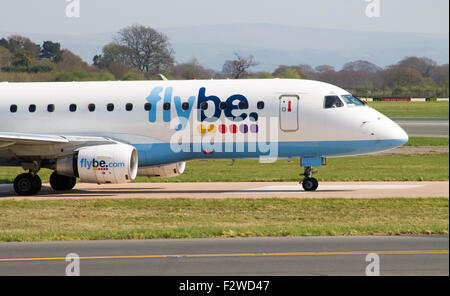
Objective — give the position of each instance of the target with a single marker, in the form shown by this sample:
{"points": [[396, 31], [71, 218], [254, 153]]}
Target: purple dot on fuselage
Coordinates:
{"points": [[254, 128], [243, 128]]}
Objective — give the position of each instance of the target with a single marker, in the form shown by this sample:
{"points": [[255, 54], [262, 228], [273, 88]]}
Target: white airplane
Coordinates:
{"points": [[110, 132]]}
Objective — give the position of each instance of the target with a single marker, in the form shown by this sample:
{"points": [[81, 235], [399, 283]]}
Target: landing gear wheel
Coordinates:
{"points": [[310, 184], [27, 184], [37, 183], [62, 183]]}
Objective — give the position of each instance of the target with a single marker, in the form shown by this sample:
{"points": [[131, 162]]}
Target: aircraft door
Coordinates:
{"points": [[289, 113]]}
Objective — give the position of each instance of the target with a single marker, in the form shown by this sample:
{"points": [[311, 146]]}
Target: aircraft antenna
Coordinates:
{"points": [[163, 77]]}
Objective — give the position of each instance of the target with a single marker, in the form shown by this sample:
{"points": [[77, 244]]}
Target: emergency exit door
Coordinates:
{"points": [[289, 113]]}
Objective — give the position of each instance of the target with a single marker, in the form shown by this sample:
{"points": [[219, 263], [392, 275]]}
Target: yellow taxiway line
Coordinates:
{"points": [[410, 252]]}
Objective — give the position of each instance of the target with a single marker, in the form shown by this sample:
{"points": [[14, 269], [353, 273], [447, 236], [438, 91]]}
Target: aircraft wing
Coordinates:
{"points": [[17, 145], [30, 139]]}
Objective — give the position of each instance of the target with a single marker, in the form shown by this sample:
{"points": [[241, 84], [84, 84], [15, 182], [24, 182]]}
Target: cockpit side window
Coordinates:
{"points": [[332, 102], [352, 101]]}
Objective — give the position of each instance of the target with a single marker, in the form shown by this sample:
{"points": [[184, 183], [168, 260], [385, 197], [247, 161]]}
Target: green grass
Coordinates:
{"points": [[422, 141], [432, 167], [366, 168], [200, 218], [412, 109]]}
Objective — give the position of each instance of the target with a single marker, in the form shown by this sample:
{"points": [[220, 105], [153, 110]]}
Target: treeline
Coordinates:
{"points": [[139, 53], [22, 60], [412, 76]]}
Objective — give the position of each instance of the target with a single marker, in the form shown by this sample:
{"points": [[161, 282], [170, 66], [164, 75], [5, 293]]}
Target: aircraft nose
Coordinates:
{"points": [[386, 130], [398, 134]]}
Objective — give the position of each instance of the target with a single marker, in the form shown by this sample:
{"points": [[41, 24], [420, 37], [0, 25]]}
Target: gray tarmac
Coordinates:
{"points": [[398, 255], [239, 190], [424, 127]]}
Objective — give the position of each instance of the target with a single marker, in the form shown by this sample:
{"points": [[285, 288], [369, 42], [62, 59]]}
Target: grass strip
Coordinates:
{"points": [[204, 218], [433, 167], [425, 141], [412, 109]]}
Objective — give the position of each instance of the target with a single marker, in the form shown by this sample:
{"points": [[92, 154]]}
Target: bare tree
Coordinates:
{"points": [[238, 67], [422, 65], [307, 69], [191, 70], [363, 66], [71, 61], [145, 49], [324, 68], [396, 76], [439, 74], [17, 43]]}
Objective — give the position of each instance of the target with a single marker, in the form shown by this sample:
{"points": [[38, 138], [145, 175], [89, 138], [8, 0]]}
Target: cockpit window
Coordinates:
{"points": [[352, 101], [333, 102]]}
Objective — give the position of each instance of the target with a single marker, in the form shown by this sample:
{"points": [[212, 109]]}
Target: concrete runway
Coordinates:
{"points": [[418, 255], [424, 127], [239, 190]]}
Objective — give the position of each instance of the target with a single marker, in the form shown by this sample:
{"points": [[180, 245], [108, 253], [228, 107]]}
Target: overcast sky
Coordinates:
{"points": [[98, 16]]}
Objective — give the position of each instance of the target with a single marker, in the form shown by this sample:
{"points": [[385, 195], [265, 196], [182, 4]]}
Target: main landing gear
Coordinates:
{"points": [[27, 184], [30, 183], [309, 183], [62, 183]]}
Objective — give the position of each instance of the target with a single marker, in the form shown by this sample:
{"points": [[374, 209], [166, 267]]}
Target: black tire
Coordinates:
{"points": [[37, 184], [316, 184], [310, 184], [62, 183], [27, 184], [73, 182]]}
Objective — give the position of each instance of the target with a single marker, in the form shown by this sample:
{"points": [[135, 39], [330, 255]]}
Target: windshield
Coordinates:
{"points": [[352, 101]]}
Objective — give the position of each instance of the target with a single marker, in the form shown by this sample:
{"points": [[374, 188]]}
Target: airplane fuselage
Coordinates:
{"points": [[240, 116]]}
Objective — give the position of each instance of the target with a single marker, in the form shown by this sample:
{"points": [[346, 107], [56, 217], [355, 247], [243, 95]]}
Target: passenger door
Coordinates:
{"points": [[289, 113]]}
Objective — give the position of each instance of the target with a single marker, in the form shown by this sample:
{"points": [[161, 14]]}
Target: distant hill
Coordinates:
{"points": [[272, 45]]}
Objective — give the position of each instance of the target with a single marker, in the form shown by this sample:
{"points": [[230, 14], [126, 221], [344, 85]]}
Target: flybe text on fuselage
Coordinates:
{"points": [[184, 109]]}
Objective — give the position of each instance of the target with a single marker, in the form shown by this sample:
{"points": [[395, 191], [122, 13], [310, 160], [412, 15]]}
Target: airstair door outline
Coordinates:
{"points": [[289, 113]]}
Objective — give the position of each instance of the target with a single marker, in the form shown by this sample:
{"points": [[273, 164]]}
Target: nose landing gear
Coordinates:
{"points": [[309, 183]]}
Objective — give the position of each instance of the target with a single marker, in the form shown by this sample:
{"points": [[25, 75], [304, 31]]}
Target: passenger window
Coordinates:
{"points": [[129, 107], [242, 105], [110, 107], [204, 105], [147, 106], [32, 108], [91, 107], [333, 102], [51, 108], [13, 108], [260, 105], [166, 106], [223, 105], [185, 106], [72, 108]]}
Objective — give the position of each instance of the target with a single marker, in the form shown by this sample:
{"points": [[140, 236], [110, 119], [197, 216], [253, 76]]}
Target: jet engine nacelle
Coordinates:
{"points": [[111, 163], [163, 171]]}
